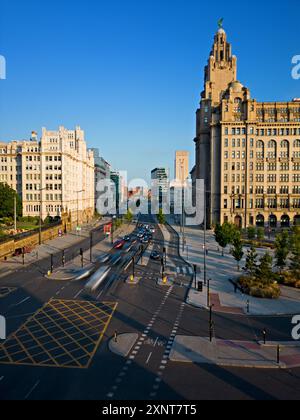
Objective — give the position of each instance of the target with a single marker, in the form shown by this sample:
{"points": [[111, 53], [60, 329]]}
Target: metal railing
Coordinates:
{"points": [[23, 235]]}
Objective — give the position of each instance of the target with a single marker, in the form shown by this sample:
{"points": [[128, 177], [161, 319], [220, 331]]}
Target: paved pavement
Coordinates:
{"points": [[44, 251], [122, 344], [219, 270], [231, 353]]}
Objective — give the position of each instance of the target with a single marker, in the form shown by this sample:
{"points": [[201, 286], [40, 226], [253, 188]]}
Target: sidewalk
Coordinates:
{"points": [[241, 354], [220, 270]]}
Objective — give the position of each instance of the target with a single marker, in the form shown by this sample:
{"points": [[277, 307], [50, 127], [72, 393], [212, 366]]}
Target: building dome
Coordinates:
{"points": [[236, 86], [221, 31]]}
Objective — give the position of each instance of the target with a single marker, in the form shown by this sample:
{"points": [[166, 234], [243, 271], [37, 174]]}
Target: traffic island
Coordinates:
{"points": [[133, 281], [238, 354], [71, 273], [167, 281], [121, 345]]}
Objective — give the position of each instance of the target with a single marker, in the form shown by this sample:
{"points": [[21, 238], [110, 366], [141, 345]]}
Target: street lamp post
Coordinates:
{"points": [[91, 246], [204, 236], [41, 213], [208, 292], [112, 228], [211, 324], [78, 192], [15, 212]]}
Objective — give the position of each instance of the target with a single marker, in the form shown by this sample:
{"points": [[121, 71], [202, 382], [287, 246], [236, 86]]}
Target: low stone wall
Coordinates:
{"points": [[8, 248]]}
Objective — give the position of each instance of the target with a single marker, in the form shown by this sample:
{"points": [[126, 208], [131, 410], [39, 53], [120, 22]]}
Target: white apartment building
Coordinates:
{"points": [[53, 176]]}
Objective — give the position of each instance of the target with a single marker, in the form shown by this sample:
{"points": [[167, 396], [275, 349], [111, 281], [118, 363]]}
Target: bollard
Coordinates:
{"points": [[278, 354], [248, 306], [81, 254], [264, 336], [211, 331], [116, 336], [63, 258], [51, 263]]}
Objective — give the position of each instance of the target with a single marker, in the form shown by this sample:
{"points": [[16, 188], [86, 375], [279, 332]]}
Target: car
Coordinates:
{"points": [[127, 238], [119, 244], [103, 259], [145, 240], [115, 259], [97, 278], [155, 256]]}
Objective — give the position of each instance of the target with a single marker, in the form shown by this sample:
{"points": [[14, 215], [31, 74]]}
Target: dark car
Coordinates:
{"points": [[127, 238], [155, 256]]}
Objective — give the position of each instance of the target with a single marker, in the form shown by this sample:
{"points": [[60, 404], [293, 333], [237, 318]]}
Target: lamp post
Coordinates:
{"points": [[204, 237], [208, 292], [15, 212], [91, 246], [211, 324], [78, 192], [41, 213], [112, 228]]}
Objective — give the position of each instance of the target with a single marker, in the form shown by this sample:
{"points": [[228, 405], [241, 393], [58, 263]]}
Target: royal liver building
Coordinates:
{"points": [[247, 152]]}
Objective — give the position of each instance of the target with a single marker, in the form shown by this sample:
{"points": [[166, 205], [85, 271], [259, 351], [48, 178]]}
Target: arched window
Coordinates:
{"points": [[272, 152], [260, 154], [297, 144], [285, 146], [238, 105]]}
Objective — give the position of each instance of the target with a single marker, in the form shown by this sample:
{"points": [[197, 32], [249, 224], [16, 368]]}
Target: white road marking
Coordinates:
{"points": [[32, 389], [100, 294], [23, 301], [149, 357], [78, 294]]}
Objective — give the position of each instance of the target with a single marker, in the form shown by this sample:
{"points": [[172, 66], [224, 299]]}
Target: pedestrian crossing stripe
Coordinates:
{"points": [[184, 270]]}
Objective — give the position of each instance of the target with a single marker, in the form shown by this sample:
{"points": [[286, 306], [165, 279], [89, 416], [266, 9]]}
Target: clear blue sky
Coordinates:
{"points": [[130, 72]]}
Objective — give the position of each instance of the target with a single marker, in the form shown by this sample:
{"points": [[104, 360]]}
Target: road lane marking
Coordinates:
{"points": [[78, 294], [32, 390], [22, 301], [100, 294], [149, 357]]}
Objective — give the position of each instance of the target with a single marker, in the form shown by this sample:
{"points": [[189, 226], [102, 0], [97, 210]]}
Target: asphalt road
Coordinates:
{"points": [[149, 310]]}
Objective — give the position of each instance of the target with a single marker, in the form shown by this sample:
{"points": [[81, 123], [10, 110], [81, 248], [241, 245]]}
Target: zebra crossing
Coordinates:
{"points": [[182, 270]]}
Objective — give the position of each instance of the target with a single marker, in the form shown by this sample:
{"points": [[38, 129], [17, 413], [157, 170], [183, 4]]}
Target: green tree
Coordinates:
{"points": [[260, 234], [282, 249], [129, 216], [251, 262], [161, 217], [251, 232], [237, 251], [226, 234], [264, 272], [7, 196], [295, 253]]}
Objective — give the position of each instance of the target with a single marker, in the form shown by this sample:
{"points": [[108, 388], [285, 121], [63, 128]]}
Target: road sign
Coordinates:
{"points": [[107, 229]]}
